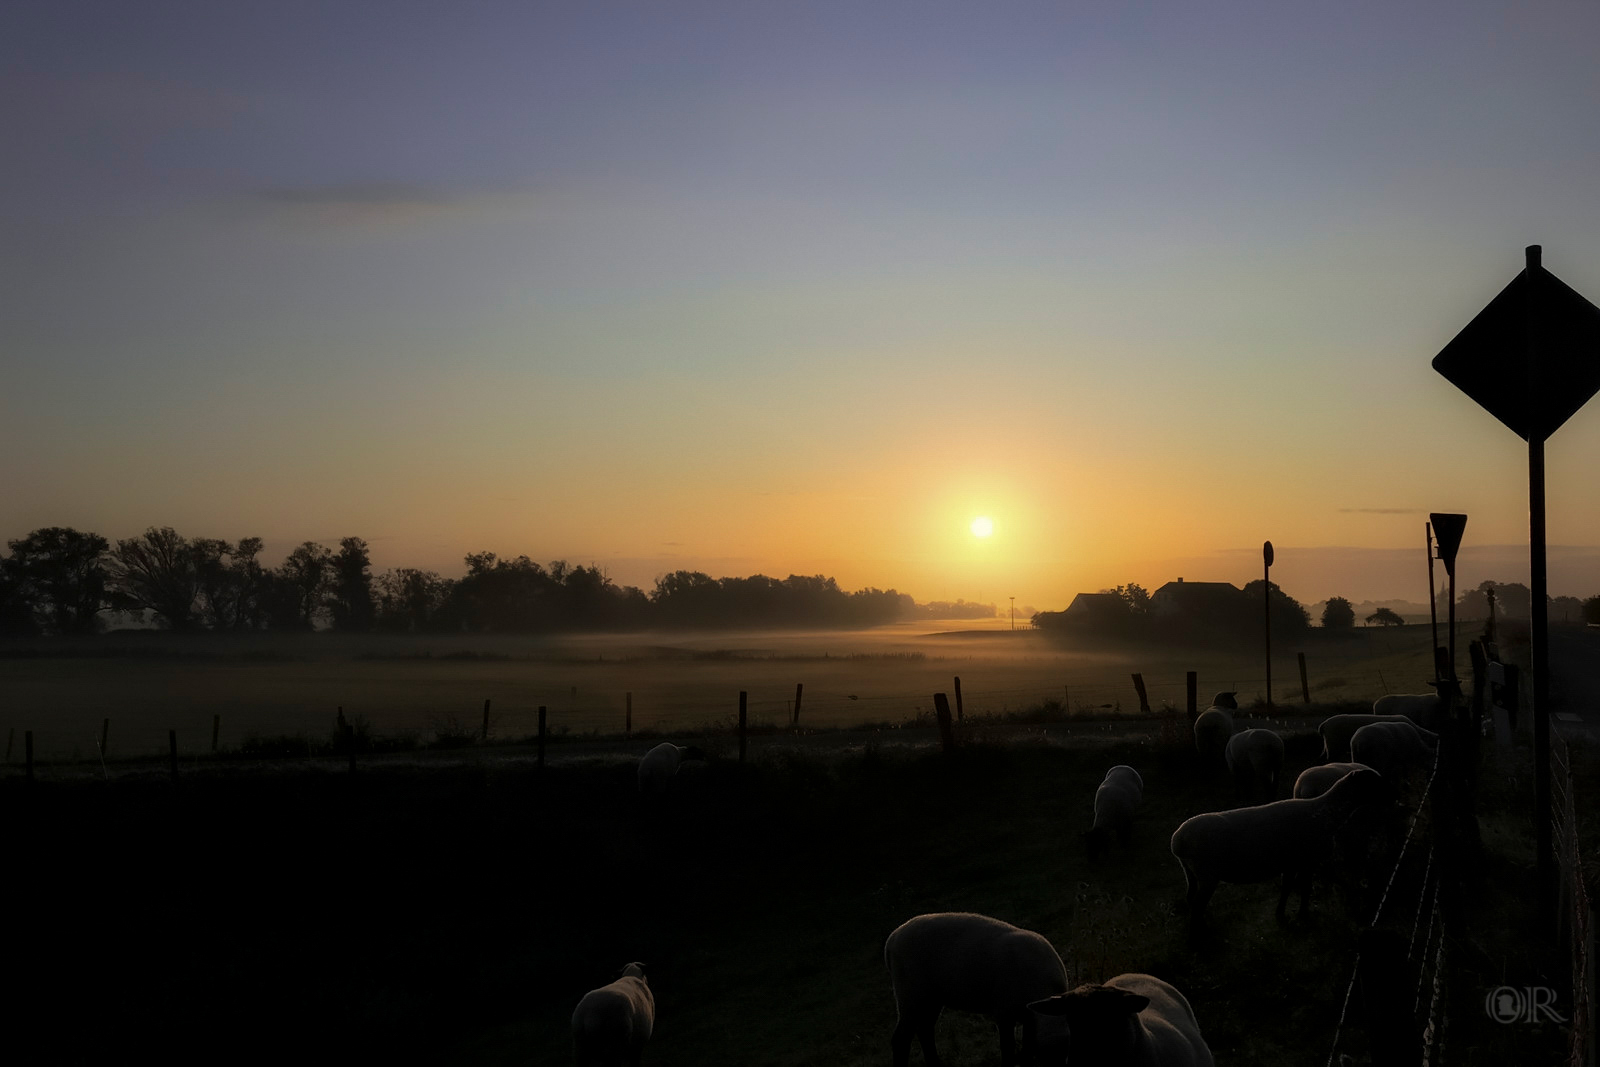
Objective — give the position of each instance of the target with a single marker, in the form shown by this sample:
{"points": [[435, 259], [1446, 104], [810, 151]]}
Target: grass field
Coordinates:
{"points": [[455, 912], [268, 685]]}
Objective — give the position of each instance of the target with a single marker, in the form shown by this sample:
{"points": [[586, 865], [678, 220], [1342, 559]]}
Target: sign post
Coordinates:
{"points": [[1528, 358], [1266, 597]]}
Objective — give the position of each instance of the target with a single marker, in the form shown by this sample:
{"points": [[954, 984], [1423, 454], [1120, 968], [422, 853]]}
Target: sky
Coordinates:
{"points": [[794, 288]]}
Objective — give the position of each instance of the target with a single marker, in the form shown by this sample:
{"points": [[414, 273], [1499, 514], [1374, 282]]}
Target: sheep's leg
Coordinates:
{"points": [[900, 1042], [1008, 1041], [930, 1055]]}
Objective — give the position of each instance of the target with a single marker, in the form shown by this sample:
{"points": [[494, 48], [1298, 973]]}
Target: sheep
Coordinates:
{"points": [[1315, 781], [1213, 727], [1255, 759], [659, 767], [1427, 710], [612, 1023], [1336, 731], [1132, 1020], [1394, 748], [1114, 804], [1285, 837], [971, 963]]}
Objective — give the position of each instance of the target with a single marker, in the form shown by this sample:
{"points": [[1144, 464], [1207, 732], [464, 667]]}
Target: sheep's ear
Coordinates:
{"points": [[1058, 1005]]}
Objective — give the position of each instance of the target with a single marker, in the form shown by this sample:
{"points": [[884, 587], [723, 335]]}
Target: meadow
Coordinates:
{"points": [[454, 912], [419, 687]]}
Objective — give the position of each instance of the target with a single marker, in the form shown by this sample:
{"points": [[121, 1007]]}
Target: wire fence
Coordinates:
{"points": [[138, 726], [1573, 911]]}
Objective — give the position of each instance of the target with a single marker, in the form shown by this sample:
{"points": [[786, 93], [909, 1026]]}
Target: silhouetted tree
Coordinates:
{"points": [[1288, 614], [1566, 609], [158, 571], [1591, 611], [61, 574], [1338, 614], [302, 583], [1385, 617], [16, 607], [409, 600], [350, 601]]}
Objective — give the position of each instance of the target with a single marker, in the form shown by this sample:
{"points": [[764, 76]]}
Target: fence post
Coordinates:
{"points": [[743, 697], [105, 730], [172, 752], [1066, 702], [799, 688], [27, 747], [541, 737], [1305, 687], [1191, 683], [627, 720], [1144, 701], [486, 719], [941, 711], [959, 707], [216, 728]]}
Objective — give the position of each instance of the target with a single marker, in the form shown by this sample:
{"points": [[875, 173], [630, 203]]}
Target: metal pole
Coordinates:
{"points": [[1433, 603], [1539, 653], [1266, 598]]}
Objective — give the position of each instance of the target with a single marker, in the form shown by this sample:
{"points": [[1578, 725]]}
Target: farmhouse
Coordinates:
{"points": [[1181, 598], [1092, 607]]}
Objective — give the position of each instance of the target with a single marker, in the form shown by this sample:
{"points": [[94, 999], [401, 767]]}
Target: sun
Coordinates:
{"points": [[982, 526]]}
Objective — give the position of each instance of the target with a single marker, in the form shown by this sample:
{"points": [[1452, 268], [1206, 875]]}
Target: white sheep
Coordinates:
{"points": [[659, 767], [612, 1023], [1428, 710], [1132, 1020], [1114, 804], [1255, 759], [1285, 837], [1337, 730], [1315, 781], [1213, 727], [1394, 749], [969, 963]]}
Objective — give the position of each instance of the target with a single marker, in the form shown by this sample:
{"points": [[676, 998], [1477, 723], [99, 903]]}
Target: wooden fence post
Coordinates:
{"points": [[627, 719], [105, 730], [1305, 686], [541, 737], [959, 708], [1066, 702], [216, 729], [27, 748], [1191, 684], [941, 711], [1144, 700], [172, 752], [799, 688], [743, 697], [486, 719]]}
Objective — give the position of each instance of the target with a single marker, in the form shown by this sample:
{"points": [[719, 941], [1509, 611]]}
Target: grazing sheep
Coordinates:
{"points": [[1315, 781], [1393, 749], [1427, 710], [612, 1023], [1255, 759], [1213, 727], [969, 963], [659, 767], [1336, 731], [1285, 837], [1132, 1020], [1114, 804]]}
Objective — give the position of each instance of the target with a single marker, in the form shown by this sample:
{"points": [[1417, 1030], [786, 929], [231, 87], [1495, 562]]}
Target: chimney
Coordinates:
{"points": [[1180, 579]]}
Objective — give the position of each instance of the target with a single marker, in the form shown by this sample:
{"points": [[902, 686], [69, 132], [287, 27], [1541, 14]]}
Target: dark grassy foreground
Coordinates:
{"points": [[456, 913]]}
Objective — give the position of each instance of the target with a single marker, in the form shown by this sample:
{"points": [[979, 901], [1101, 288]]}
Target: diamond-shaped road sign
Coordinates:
{"points": [[1531, 357], [1447, 530]]}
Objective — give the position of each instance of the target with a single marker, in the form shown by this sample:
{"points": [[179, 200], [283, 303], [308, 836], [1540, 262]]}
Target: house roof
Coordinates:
{"points": [[1196, 589], [1085, 603]]}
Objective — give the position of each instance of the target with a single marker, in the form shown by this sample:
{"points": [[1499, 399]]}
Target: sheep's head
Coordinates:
{"points": [[633, 970], [1092, 1024], [690, 752], [1226, 700]]}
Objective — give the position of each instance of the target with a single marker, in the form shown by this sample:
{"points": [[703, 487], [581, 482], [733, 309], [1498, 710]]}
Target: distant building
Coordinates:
{"points": [[1193, 598], [1093, 607]]}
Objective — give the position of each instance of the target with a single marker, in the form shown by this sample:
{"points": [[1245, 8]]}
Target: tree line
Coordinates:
{"points": [[59, 580]]}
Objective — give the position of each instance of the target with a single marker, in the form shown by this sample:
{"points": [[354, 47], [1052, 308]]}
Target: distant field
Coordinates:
{"points": [[265, 685]]}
